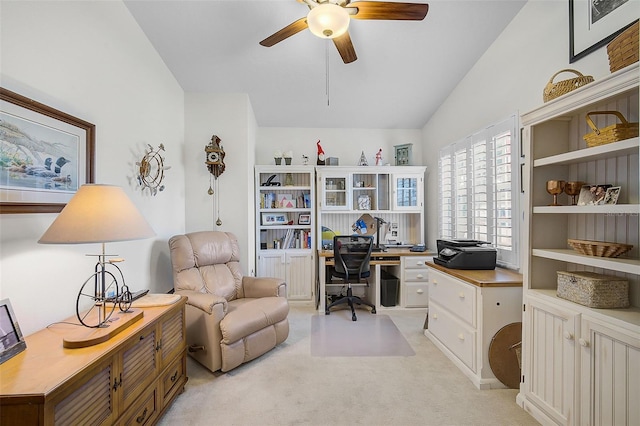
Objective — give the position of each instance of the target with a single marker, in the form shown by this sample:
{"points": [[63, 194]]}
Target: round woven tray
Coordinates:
{"points": [[599, 248]]}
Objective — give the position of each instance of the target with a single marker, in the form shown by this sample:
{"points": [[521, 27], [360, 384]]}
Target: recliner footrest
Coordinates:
{"points": [[245, 319]]}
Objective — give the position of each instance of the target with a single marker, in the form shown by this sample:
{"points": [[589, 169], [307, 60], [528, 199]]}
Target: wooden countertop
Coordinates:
{"points": [[391, 252], [498, 277]]}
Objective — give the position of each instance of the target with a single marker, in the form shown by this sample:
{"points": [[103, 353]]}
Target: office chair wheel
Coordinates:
{"points": [[327, 312], [373, 310], [353, 317]]}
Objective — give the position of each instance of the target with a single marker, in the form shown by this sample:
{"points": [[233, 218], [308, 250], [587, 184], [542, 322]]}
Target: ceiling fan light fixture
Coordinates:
{"points": [[328, 20]]}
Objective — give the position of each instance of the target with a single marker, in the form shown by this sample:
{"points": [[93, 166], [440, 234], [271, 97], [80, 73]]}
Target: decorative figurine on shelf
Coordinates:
{"points": [[305, 160], [363, 160], [379, 157], [320, 154]]}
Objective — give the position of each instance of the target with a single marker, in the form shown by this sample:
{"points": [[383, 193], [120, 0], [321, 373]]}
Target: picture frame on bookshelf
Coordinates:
{"points": [[593, 195], [304, 219], [11, 339], [274, 219], [612, 194]]}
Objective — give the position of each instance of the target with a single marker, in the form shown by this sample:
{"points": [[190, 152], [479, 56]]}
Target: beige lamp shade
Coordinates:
{"points": [[97, 214]]}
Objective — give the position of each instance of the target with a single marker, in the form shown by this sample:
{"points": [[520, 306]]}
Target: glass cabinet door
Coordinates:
{"points": [[407, 192], [335, 191]]}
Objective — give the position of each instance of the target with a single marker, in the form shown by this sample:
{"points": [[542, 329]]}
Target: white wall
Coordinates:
{"points": [[346, 144], [231, 118], [508, 78], [91, 60]]}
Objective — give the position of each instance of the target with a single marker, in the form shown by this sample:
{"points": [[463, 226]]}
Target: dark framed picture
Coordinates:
{"points": [[45, 155], [594, 23], [11, 339], [304, 219]]}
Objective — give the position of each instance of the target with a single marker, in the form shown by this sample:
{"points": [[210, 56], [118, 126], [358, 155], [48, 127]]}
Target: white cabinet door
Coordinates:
{"points": [[407, 192], [551, 362], [610, 384], [334, 190], [299, 267], [295, 268]]}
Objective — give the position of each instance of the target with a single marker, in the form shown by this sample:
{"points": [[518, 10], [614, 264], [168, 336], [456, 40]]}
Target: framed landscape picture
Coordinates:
{"points": [[45, 155], [11, 340]]}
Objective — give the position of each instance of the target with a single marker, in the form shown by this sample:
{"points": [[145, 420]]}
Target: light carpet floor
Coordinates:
{"points": [[370, 335], [288, 386]]}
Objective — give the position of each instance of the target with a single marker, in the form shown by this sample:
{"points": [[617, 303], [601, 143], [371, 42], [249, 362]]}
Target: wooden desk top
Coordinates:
{"points": [[391, 252], [498, 277]]}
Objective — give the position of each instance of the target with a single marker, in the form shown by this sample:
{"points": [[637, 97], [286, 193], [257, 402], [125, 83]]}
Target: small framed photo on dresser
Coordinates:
{"points": [[11, 339]]}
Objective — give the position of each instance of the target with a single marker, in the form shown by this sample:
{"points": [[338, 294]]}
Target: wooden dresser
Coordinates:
{"points": [[130, 379]]}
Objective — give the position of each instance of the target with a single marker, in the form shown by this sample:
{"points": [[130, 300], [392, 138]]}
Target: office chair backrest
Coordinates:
{"points": [[352, 254]]}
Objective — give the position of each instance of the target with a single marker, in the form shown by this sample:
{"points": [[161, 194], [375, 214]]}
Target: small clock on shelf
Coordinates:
{"points": [[403, 154]]}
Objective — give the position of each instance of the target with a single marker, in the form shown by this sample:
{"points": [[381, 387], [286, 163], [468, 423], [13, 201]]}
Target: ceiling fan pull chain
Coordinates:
{"points": [[326, 61]]}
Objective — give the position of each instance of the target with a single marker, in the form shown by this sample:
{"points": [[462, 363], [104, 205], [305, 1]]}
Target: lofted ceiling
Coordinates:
{"points": [[404, 71]]}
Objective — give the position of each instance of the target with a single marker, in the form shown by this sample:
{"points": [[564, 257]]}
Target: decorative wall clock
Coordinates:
{"points": [[403, 154], [151, 169], [215, 164]]}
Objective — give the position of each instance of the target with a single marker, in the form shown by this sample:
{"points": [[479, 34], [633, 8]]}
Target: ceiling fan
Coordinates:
{"points": [[330, 19]]}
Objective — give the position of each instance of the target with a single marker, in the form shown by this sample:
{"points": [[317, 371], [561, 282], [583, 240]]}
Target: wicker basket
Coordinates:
{"points": [[599, 248], [553, 90], [623, 50], [614, 133], [593, 290]]}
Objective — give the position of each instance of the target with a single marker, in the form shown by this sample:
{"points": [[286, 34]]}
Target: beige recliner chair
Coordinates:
{"points": [[230, 318]]}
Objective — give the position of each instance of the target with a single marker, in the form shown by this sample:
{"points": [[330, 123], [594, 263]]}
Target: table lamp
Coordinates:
{"points": [[98, 214]]}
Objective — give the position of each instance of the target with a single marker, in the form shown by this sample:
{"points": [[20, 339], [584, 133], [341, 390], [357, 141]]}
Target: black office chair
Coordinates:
{"points": [[351, 254]]}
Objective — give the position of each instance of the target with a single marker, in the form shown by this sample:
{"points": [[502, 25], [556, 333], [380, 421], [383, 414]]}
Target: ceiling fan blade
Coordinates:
{"points": [[345, 48], [388, 10], [286, 32]]}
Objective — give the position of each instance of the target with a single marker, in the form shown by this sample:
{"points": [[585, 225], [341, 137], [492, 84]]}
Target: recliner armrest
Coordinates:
{"points": [[203, 301], [255, 287]]}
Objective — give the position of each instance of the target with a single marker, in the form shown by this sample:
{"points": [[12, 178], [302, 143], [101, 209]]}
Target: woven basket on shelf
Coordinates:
{"points": [[623, 50], [613, 133], [553, 90], [599, 248]]}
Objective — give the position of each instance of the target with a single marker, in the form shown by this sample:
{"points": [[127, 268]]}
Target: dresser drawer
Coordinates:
{"points": [[458, 297], [416, 262], [143, 412], [421, 275], [416, 295], [459, 338]]}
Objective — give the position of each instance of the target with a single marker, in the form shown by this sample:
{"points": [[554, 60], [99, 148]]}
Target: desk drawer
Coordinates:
{"points": [[420, 275], [416, 262], [456, 336], [451, 293], [416, 295]]}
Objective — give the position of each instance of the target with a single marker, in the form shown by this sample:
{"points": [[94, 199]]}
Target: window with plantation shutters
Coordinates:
{"points": [[478, 187]]}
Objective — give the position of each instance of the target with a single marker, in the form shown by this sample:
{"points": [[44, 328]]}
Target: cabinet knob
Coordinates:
{"points": [[568, 336], [461, 336], [419, 276], [583, 343], [434, 316], [418, 263], [461, 295], [419, 291], [434, 281]]}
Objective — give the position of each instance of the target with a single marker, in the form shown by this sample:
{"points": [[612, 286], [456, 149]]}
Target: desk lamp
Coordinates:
{"points": [[98, 214]]}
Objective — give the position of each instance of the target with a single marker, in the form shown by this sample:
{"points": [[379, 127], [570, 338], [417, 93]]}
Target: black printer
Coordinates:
{"points": [[465, 254]]}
